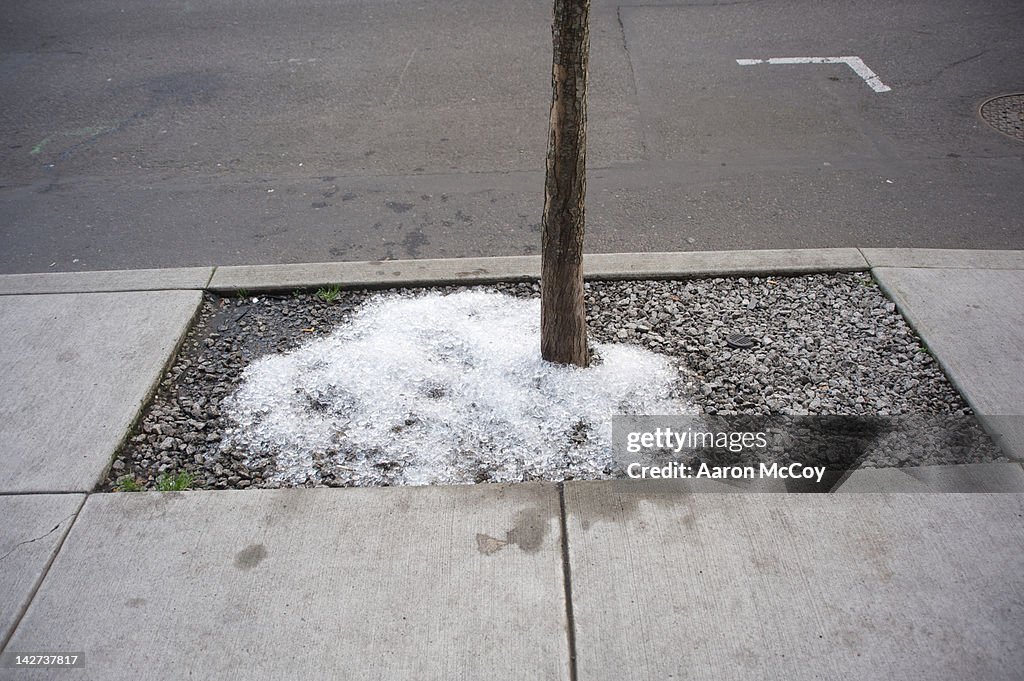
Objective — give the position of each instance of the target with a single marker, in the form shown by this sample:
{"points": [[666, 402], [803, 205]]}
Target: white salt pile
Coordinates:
{"points": [[441, 389]]}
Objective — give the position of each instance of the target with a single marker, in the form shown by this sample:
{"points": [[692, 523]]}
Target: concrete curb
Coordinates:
{"points": [[376, 274], [461, 271], [468, 271], [438, 272], [106, 281]]}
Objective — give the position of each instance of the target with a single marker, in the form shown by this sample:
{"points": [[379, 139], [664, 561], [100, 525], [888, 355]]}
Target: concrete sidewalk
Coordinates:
{"points": [[574, 581]]}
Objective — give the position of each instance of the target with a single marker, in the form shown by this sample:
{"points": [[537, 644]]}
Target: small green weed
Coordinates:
{"points": [[242, 293], [329, 295], [174, 483], [127, 483]]}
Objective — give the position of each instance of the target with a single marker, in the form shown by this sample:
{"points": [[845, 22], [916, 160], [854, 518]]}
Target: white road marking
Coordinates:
{"points": [[855, 63], [862, 70]]}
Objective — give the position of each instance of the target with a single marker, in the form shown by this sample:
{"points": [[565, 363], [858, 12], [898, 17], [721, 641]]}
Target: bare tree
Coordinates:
{"points": [[563, 318]]}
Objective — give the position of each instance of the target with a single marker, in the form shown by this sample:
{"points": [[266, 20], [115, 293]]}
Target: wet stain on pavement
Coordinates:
{"points": [[528, 533], [398, 207], [413, 241], [623, 499], [250, 557], [185, 88], [67, 357]]}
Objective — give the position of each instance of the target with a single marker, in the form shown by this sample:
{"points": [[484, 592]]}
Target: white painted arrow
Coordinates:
{"points": [[855, 63]]}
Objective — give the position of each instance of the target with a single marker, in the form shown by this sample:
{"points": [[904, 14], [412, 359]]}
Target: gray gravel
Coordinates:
{"points": [[829, 344]]}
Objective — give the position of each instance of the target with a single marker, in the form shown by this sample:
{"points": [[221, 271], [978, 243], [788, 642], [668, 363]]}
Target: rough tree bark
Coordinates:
{"points": [[563, 318]]}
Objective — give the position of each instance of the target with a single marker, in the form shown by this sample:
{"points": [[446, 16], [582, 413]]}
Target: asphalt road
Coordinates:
{"points": [[139, 133]]}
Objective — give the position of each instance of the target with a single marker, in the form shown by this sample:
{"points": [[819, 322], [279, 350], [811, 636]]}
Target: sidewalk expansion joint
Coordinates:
{"points": [[570, 620], [43, 492]]}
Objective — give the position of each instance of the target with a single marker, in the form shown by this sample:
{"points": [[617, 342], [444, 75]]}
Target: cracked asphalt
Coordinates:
{"points": [[149, 134]]}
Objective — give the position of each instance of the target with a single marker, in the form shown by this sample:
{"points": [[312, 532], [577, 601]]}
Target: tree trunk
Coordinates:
{"points": [[563, 319]]}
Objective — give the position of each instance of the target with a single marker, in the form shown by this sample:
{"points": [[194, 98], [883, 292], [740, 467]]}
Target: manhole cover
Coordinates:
{"points": [[1005, 113]]}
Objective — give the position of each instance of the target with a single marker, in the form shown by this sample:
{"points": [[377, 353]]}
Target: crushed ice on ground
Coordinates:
{"points": [[441, 389]]}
